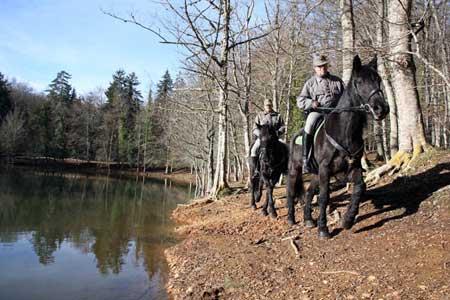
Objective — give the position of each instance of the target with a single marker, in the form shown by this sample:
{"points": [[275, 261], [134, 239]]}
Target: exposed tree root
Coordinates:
{"points": [[401, 161]]}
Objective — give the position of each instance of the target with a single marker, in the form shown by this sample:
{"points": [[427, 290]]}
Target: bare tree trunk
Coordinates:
{"points": [[378, 139], [144, 158], [293, 41], [220, 176], [411, 131], [244, 109], [210, 136], [138, 147], [389, 92], [445, 65], [348, 38], [387, 155], [277, 47]]}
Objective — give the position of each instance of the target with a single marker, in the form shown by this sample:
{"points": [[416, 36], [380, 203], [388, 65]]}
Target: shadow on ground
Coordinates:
{"points": [[405, 192]]}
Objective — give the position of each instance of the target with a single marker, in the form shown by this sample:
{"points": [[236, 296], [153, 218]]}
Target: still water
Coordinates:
{"points": [[73, 237]]}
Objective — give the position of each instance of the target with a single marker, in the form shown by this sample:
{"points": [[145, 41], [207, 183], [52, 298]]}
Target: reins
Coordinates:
{"points": [[361, 108]]}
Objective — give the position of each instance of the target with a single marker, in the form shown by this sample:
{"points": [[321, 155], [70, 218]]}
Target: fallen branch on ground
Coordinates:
{"points": [[295, 247], [293, 243], [339, 272]]}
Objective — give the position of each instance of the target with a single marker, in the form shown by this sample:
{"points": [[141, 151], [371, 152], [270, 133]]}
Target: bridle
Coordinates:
{"points": [[367, 108]]}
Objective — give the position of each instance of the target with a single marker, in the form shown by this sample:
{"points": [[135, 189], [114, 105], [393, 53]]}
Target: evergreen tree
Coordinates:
{"points": [[60, 95], [160, 120], [164, 87], [123, 105], [131, 106], [5, 97], [112, 111], [114, 93], [60, 90]]}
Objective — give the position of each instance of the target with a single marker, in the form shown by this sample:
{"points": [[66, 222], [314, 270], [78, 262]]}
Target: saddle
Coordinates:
{"points": [[314, 166]]}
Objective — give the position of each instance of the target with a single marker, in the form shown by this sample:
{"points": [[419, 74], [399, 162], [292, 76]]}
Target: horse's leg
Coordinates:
{"points": [[270, 200], [309, 195], [254, 184], [358, 189], [294, 187], [324, 181], [259, 195], [270, 187]]}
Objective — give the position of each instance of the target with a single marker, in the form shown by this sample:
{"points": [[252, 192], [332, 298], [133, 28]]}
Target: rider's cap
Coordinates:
{"points": [[267, 102], [320, 60]]}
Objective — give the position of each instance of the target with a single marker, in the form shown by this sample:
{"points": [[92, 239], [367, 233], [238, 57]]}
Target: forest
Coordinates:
{"points": [[237, 54]]}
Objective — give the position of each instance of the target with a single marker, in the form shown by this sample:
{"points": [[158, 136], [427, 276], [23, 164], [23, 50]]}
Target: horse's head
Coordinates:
{"points": [[366, 83], [267, 136]]}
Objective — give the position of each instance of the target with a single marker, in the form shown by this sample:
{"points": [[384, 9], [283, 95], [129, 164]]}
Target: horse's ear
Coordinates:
{"points": [[356, 63], [373, 63]]}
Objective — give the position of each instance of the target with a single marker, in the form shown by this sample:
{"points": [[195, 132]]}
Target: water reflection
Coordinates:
{"points": [[72, 225]]}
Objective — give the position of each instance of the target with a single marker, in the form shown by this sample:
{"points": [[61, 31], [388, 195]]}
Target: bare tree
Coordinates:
{"points": [[348, 38], [411, 131]]}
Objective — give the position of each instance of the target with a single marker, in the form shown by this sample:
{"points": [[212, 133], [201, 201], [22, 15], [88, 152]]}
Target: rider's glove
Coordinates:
{"points": [[315, 104]]}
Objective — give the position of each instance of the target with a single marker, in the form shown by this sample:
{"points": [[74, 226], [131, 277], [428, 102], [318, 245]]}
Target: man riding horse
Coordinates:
{"points": [[321, 90], [266, 117], [338, 147]]}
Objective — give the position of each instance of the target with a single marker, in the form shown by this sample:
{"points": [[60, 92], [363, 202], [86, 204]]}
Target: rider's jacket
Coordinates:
{"points": [[269, 118], [327, 90]]}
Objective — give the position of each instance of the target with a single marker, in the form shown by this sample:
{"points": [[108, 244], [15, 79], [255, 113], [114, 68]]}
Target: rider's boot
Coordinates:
{"points": [[307, 142]]}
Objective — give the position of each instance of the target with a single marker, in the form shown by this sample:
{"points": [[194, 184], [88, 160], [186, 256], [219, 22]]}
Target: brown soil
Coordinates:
{"points": [[398, 249]]}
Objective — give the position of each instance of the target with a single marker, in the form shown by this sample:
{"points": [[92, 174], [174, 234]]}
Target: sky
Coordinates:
{"points": [[39, 38]]}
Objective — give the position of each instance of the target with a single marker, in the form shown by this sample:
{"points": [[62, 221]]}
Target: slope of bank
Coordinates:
{"points": [[398, 249]]}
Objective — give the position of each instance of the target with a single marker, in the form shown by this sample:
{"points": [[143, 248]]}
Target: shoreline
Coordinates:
{"points": [[70, 166]]}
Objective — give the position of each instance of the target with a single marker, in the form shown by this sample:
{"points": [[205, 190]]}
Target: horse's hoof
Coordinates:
{"points": [[273, 215], [324, 234], [310, 224], [347, 224], [253, 206], [264, 213]]}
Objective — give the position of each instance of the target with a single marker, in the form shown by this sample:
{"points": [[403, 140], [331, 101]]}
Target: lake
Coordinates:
{"points": [[77, 237]]}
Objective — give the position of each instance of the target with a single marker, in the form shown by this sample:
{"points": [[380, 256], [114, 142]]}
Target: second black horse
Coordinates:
{"points": [[273, 161]]}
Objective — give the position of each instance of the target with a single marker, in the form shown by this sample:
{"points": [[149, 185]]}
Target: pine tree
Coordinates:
{"points": [[131, 106], [122, 107], [164, 87], [114, 92], [60, 90], [60, 96]]}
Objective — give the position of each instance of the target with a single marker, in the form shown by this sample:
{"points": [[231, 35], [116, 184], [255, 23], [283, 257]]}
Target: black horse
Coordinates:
{"points": [[339, 147], [273, 161]]}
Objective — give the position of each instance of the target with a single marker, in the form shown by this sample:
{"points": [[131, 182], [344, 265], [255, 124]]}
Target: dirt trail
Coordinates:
{"points": [[398, 249]]}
